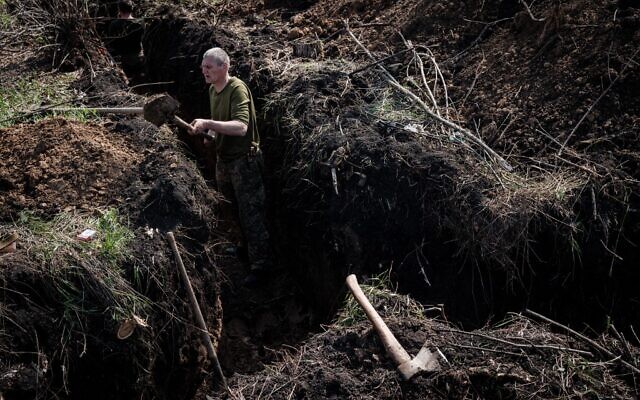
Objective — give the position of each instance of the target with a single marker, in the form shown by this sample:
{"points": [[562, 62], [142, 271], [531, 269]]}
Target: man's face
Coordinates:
{"points": [[212, 71]]}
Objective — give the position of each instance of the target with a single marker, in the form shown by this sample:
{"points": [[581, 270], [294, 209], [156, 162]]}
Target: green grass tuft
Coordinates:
{"points": [[30, 93], [84, 277], [382, 296]]}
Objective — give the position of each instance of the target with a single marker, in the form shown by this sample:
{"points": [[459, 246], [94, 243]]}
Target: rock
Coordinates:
{"points": [[295, 33]]}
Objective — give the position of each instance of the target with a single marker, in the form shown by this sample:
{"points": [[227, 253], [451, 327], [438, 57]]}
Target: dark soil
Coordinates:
{"points": [[357, 181], [57, 167], [349, 362], [567, 236]]}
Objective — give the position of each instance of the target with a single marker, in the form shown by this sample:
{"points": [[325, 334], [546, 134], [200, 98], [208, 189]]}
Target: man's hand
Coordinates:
{"points": [[200, 125]]}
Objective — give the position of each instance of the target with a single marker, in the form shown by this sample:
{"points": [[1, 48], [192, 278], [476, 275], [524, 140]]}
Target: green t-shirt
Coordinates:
{"points": [[234, 103]]}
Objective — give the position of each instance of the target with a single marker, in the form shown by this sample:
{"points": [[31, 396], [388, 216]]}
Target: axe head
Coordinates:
{"points": [[424, 361]]}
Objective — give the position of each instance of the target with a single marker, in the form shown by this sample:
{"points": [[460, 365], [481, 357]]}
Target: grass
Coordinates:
{"points": [[84, 277], [6, 20], [378, 290], [29, 93], [390, 106]]}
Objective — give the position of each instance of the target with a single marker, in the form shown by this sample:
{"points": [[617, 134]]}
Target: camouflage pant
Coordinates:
{"points": [[240, 182]]}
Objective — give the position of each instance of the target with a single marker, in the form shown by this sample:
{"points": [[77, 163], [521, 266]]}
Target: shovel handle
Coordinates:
{"points": [[182, 123], [101, 110], [391, 344], [185, 125], [195, 307]]}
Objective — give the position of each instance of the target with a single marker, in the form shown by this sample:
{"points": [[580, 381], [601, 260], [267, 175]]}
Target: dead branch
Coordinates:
{"points": [[526, 7], [473, 138], [463, 346], [373, 64], [592, 343], [520, 345]]}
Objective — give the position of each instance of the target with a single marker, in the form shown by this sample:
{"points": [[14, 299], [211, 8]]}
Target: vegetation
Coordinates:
{"points": [[6, 20], [26, 95], [384, 299], [85, 277]]}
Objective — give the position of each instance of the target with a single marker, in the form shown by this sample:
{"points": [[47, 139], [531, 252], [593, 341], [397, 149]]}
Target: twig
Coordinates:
{"points": [[593, 343], [575, 128], [487, 25], [373, 64], [486, 349], [520, 345], [526, 6], [501, 161]]}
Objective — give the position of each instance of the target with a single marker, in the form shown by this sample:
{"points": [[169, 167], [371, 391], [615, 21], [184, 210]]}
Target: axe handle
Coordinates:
{"points": [[391, 344]]}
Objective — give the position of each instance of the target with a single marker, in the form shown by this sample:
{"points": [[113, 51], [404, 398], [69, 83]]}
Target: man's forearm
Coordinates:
{"points": [[229, 128]]}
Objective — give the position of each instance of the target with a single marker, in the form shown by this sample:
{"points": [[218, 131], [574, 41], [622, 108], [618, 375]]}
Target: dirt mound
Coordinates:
{"points": [[65, 300], [368, 179], [520, 358], [59, 165]]}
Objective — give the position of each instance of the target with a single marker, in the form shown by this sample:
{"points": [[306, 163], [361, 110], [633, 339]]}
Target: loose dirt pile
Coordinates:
{"points": [[370, 180], [519, 358], [64, 300], [59, 165]]}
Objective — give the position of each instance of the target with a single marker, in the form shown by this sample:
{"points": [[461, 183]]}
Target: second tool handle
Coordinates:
{"points": [[391, 344]]}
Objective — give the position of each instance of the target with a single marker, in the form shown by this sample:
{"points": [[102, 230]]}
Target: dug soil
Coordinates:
{"points": [[360, 179]]}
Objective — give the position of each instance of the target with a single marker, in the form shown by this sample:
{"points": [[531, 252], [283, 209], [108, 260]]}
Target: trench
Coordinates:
{"points": [[316, 253]]}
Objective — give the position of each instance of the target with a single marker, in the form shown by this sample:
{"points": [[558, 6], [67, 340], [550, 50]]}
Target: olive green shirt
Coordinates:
{"points": [[234, 103]]}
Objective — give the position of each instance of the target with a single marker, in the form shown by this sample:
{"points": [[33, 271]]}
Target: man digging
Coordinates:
{"points": [[239, 159]]}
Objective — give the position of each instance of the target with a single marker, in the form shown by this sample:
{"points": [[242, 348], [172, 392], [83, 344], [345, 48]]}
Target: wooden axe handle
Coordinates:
{"points": [[391, 344]]}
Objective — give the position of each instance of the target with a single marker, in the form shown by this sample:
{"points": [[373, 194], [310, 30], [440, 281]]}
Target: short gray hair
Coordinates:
{"points": [[218, 55]]}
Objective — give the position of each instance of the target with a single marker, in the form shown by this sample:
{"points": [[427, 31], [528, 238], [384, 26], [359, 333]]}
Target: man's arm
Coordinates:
{"points": [[229, 128]]}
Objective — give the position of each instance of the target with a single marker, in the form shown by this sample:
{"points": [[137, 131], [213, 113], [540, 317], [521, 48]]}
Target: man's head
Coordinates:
{"points": [[215, 65], [125, 8]]}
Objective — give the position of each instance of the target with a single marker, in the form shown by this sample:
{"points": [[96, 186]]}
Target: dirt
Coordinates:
{"points": [[58, 165], [358, 180], [551, 237], [349, 362], [58, 168]]}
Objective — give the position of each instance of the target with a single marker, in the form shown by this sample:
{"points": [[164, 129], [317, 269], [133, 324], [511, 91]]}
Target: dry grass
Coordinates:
{"points": [[83, 277], [517, 358]]}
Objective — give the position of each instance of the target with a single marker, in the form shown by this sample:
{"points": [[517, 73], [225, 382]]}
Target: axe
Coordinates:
{"points": [[407, 366]]}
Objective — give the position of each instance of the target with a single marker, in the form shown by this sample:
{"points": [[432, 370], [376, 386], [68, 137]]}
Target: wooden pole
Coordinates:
{"points": [[196, 310]]}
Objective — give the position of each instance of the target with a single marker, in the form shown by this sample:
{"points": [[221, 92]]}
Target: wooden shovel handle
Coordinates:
{"points": [[185, 125], [182, 123], [391, 344], [195, 307], [101, 110]]}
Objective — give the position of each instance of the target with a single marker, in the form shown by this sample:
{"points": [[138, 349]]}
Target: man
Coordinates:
{"points": [[124, 40], [239, 160]]}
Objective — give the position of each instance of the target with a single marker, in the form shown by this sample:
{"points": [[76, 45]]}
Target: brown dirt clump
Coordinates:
{"points": [[59, 165]]}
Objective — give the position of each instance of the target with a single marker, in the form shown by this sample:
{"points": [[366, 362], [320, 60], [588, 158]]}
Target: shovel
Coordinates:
{"points": [[158, 110], [407, 366]]}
